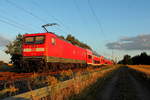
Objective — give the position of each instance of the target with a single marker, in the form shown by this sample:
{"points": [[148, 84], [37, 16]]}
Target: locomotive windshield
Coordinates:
{"points": [[39, 39], [34, 39], [29, 40]]}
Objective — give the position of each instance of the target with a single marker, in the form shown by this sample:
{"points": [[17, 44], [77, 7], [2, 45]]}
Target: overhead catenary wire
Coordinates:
{"points": [[11, 24], [95, 17], [26, 26], [65, 29], [23, 9], [17, 24], [61, 24], [30, 13], [46, 12], [97, 21], [79, 11], [33, 15]]}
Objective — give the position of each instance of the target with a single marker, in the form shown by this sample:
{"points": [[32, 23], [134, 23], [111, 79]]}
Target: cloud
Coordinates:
{"points": [[3, 41], [140, 42]]}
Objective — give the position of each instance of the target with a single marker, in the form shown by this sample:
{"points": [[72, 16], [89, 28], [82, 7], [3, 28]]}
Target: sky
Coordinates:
{"points": [[113, 28]]}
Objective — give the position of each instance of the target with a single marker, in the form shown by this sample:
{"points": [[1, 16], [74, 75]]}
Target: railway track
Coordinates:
{"points": [[29, 81], [4, 76]]}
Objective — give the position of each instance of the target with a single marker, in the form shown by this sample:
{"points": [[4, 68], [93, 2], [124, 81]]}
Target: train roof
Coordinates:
{"points": [[96, 54], [32, 34]]}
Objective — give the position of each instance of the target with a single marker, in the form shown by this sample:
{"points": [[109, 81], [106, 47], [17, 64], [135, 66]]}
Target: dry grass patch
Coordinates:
{"points": [[142, 68]]}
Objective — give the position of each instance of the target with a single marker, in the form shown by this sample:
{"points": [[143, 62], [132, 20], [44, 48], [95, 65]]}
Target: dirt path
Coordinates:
{"points": [[122, 85], [143, 93]]}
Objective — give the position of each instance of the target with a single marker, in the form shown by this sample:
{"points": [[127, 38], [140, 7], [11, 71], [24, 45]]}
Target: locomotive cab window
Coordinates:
{"points": [[39, 39], [29, 40], [34, 39]]}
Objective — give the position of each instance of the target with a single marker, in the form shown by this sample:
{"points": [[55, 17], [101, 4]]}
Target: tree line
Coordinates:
{"points": [[75, 41], [142, 59]]}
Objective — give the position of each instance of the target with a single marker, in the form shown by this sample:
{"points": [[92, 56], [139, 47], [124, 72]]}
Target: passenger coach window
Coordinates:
{"points": [[29, 40], [53, 41], [39, 39], [89, 56]]}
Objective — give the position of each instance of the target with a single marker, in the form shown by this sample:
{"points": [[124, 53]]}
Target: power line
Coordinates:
{"points": [[61, 29], [96, 18], [78, 9], [14, 17], [11, 24], [46, 12], [23, 9], [98, 22], [16, 23]]}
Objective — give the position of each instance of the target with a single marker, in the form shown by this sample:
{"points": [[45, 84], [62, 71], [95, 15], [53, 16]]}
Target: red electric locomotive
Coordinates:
{"points": [[49, 51], [54, 52]]}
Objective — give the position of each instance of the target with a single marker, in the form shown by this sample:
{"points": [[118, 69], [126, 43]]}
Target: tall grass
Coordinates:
{"points": [[79, 83]]}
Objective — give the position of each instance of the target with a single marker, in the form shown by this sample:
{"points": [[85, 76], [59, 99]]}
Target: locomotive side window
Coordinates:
{"points": [[39, 39], [53, 41], [96, 62], [29, 40]]}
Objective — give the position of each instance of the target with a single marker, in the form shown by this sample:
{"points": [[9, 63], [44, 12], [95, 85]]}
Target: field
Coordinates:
{"points": [[142, 68]]}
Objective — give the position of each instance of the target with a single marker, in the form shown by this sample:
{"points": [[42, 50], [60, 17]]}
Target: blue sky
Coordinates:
{"points": [[114, 20]]}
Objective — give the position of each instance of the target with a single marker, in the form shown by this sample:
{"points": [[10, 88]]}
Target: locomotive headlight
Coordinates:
{"points": [[40, 49], [27, 50]]}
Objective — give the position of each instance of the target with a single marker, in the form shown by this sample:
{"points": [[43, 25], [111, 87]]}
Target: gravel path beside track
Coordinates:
{"points": [[121, 85]]}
